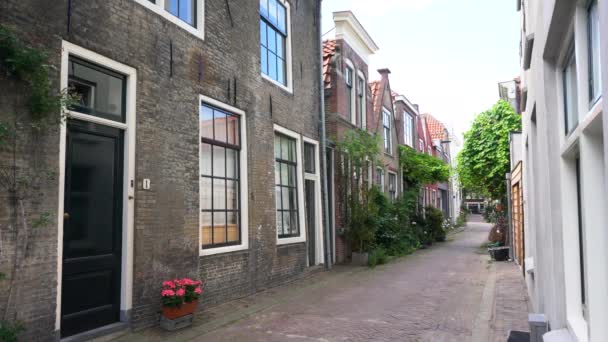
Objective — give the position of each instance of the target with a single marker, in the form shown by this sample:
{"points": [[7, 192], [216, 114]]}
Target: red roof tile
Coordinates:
{"points": [[329, 50], [435, 127]]}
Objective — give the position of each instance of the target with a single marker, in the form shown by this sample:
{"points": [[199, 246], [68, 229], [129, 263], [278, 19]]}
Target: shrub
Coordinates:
{"points": [[377, 257], [434, 224], [364, 222], [10, 331]]}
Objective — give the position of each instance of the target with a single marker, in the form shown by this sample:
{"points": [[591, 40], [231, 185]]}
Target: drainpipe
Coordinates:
{"points": [[326, 235]]}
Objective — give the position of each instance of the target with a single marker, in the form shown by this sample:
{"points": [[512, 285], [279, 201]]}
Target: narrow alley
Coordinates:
{"points": [[449, 292]]}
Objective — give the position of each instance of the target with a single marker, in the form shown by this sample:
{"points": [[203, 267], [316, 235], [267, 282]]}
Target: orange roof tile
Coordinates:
{"points": [[435, 127], [375, 91], [329, 50]]}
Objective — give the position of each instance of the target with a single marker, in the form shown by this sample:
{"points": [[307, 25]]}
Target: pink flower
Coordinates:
{"points": [[168, 293], [198, 290], [169, 283], [180, 292]]}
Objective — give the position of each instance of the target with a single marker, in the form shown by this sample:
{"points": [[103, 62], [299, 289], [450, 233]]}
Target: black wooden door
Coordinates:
{"points": [[92, 227], [310, 219]]}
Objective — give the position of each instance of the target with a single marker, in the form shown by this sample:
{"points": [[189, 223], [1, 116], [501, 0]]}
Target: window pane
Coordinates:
{"points": [[233, 129], [280, 71], [264, 8], [293, 199], [205, 193], [172, 6], [594, 53], [220, 125], [186, 10], [232, 163], [272, 11], [286, 223], [570, 94], [219, 194], [285, 193], [263, 40], [232, 195], [285, 147], [206, 226], [279, 49], [205, 160], [233, 228], [280, 230], [264, 60], [277, 197], [272, 41], [281, 18], [309, 158], [272, 65], [100, 92], [219, 161], [206, 122], [219, 227], [294, 224]]}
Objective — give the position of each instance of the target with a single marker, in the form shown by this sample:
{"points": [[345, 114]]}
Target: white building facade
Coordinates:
{"points": [[564, 57]]}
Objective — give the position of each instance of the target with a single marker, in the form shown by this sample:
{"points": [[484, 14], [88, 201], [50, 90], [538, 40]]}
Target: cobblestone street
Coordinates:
{"points": [[450, 292]]}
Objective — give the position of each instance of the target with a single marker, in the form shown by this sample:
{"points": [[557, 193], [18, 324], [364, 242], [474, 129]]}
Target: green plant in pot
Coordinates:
{"points": [[363, 223]]}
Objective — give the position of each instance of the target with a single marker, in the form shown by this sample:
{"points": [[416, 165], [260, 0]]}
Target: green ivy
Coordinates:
{"points": [[484, 158], [421, 168]]}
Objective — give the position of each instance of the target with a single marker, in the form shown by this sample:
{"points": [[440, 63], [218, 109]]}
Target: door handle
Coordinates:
{"points": [[66, 216]]}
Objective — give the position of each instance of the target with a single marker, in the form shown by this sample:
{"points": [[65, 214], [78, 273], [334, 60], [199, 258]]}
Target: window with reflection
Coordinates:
{"points": [[183, 9], [361, 101], [386, 122], [98, 91], [349, 92], [595, 75], [286, 180], [570, 92], [273, 35], [220, 177], [392, 186]]}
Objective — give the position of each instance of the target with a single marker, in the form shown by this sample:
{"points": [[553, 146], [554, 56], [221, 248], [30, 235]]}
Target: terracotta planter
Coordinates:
{"points": [[173, 312]]}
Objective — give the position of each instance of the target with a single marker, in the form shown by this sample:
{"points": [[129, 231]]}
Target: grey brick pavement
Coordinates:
{"points": [[433, 295]]}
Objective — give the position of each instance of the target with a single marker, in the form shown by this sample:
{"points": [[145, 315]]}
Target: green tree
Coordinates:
{"points": [[484, 158]]}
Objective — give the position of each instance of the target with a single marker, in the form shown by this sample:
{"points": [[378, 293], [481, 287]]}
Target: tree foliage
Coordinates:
{"points": [[484, 158], [421, 168]]}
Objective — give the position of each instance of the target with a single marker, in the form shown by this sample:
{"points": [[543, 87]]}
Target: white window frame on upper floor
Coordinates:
{"points": [[408, 132], [387, 143], [363, 113], [243, 191], [158, 7], [300, 183], [288, 86], [352, 113]]}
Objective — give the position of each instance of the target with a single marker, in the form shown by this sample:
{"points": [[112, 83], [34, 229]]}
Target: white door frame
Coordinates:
{"points": [[319, 255], [126, 281]]}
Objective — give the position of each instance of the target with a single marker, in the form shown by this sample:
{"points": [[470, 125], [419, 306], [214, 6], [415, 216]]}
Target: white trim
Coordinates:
{"points": [[350, 30], [159, 8], [243, 194], [288, 86], [396, 183], [361, 75], [352, 115], [316, 177], [126, 288], [381, 173], [333, 202], [300, 180]]}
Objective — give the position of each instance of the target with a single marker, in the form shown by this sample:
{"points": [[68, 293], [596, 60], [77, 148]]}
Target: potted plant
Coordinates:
{"points": [[180, 297]]}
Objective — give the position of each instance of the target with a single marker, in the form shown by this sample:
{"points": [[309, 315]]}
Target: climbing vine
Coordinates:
{"points": [[25, 68]]}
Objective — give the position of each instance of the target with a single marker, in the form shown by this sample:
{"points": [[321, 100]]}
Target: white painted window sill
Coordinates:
{"points": [[288, 241], [222, 250], [282, 86]]}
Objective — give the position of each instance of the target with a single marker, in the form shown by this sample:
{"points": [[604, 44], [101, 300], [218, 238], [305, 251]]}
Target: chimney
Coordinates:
{"points": [[417, 107], [384, 72]]}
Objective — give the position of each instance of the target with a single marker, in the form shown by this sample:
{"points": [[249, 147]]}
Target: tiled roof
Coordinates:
{"points": [[375, 91], [435, 127], [329, 50]]}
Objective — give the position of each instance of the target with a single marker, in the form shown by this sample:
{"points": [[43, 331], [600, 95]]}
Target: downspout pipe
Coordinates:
{"points": [[323, 152]]}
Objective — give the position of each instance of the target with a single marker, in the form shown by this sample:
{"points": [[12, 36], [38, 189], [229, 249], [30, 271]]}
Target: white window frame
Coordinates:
{"points": [[380, 171], [408, 129], [390, 131], [316, 177], [300, 184], [243, 191], [352, 114], [128, 206], [288, 86], [363, 114], [396, 184], [159, 8]]}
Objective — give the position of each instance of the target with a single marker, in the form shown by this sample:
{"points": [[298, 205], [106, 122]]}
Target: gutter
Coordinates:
{"points": [[323, 152]]}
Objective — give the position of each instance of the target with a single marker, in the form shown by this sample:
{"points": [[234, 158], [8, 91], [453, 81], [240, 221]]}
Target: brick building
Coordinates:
{"points": [[348, 105], [165, 166], [440, 138]]}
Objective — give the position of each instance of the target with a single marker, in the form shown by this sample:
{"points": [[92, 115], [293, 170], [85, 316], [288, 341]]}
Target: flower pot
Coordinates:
{"points": [[499, 253], [173, 312]]}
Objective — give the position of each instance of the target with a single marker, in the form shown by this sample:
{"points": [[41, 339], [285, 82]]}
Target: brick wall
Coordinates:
{"points": [[167, 216]]}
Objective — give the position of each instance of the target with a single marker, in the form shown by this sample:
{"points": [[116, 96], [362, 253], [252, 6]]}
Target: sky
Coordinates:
{"points": [[445, 55]]}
